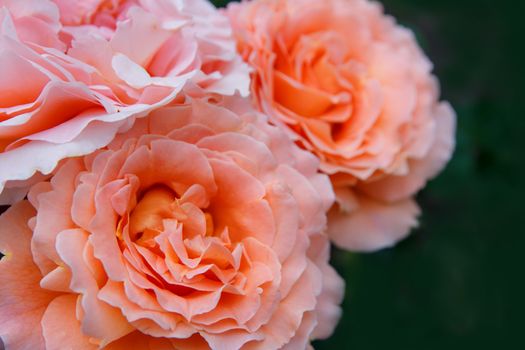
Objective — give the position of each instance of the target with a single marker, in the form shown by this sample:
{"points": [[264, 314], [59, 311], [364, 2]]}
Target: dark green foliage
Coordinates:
{"points": [[456, 283]]}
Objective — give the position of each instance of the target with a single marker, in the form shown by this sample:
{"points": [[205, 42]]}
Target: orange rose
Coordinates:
{"points": [[353, 88], [199, 228]]}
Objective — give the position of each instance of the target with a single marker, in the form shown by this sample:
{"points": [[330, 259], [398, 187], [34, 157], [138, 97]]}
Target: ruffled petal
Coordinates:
{"points": [[373, 225], [22, 301], [61, 328]]}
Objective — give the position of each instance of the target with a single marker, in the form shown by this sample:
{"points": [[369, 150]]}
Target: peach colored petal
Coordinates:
{"points": [[375, 225], [15, 86], [57, 280], [83, 210], [240, 203], [76, 12], [288, 317], [324, 188], [328, 312], [177, 160], [22, 302], [102, 229], [193, 343], [232, 340], [287, 216], [54, 216], [301, 338], [302, 188], [20, 189], [144, 28], [289, 93], [394, 188], [115, 295], [36, 22], [43, 156], [101, 321], [60, 327], [58, 103], [293, 266], [138, 341], [327, 309], [253, 151]]}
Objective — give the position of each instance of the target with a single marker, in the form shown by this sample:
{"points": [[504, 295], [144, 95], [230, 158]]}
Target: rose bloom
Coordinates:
{"points": [[354, 88], [200, 228], [75, 73]]}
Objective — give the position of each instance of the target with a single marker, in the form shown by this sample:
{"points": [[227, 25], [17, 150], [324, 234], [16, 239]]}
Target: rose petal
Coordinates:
{"points": [[374, 225], [60, 327], [22, 301]]}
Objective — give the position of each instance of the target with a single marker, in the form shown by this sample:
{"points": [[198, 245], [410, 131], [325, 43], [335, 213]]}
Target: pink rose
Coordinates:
{"points": [[199, 228], [352, 87], [68, 89], [140, 43]]}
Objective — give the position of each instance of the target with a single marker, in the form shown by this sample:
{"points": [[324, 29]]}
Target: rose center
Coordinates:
{"points": [[146, 220], [158, 203]]}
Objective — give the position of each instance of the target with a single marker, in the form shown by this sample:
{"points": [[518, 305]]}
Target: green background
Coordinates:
{"points": [[455, 283]]}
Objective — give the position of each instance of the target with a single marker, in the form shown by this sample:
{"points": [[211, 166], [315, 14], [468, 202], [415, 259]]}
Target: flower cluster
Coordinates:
{"points": [[175, 173]]}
